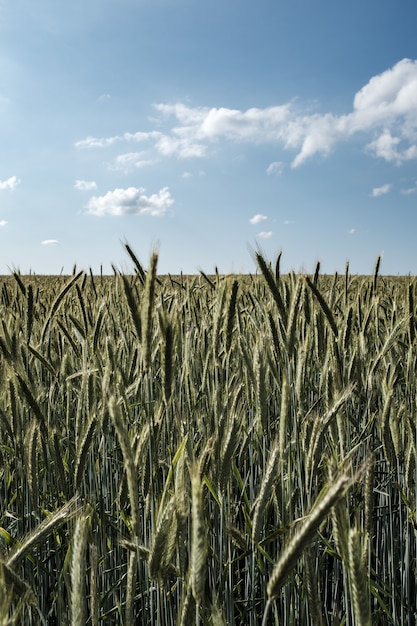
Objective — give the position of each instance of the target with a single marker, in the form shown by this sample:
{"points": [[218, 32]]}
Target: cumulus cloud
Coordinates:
{"points": [[50, 242], [277, 167], [277, 124], [317, 134], [251, 125], [388, 95], [381, 191], [3, 223], [258, 218], [130, 201], [265, 234], [389, 148], [85, 185], [199, 126], [386, 104], [10, 184], [385, 109]]}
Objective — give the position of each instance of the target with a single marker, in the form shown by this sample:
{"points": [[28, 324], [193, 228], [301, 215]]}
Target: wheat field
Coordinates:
{"points": [[208, 449]]}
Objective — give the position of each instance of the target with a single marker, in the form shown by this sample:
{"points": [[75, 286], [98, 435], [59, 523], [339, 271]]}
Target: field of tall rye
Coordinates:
{"points": [[208, 449]]}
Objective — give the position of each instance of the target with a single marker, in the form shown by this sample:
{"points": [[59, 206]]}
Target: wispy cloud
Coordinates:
{"points": [[409, 190], [352, 231], [104, 142], [276, 168], [94, 142], [129, 160], [85, 185], [10, 184], [130, 201], [381, 191], [183, 147], [50, 242], [265, 234], [2, 223], [384, 108], [258, 218]]}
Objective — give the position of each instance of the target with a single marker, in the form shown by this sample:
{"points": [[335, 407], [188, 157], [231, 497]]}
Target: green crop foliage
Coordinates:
{"points": [[208, 449]]}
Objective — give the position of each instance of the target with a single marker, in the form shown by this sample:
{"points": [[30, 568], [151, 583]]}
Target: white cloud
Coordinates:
{"points": [[201, 125], [94, 142], [388, 95], [187, 116], [141, 136], [265, 235], [258, 218], [85, 185], [186, 175], [3, 223], [10, 184], [130, 201], [278, 124], [183, 147], [381, 191], [125, 162], [104, 142], [388, 102], [352, 231], [277, 167], [318, 134], [50, 242], [386, 147], [288, 222], [385, 108], [252, 125]]}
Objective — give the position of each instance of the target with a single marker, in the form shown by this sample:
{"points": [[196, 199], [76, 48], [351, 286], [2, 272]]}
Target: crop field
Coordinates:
{"points": [[216, 450]]}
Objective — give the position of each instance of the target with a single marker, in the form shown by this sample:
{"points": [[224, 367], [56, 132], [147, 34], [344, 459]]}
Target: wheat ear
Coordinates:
{"points": [[46, 527], [198, 537], [358, 580], [78, 571], [305, 534]]}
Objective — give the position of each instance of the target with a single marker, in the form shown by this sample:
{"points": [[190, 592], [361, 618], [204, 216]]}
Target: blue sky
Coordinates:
{"points": [[208, 129]]}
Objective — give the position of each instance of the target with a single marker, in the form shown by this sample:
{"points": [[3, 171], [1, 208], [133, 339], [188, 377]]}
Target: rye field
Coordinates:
{"points": [[209, 449]]}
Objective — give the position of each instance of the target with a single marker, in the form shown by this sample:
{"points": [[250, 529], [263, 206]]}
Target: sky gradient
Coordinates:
{"points": [[208, 130]]}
